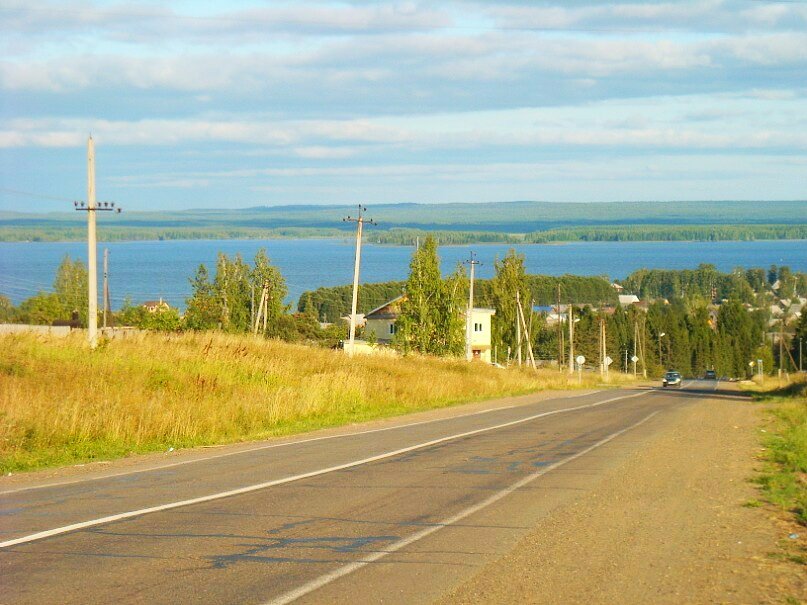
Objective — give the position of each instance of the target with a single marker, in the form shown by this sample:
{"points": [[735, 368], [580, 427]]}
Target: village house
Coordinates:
{"points": [[380, 325], [156, 306]]}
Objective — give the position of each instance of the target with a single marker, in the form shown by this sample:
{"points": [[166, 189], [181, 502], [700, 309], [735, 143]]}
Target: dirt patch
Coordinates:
{"points": [[670, 525]]}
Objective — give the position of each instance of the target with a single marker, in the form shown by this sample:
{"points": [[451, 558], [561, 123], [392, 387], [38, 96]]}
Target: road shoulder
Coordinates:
{"points": [[667, 525]]}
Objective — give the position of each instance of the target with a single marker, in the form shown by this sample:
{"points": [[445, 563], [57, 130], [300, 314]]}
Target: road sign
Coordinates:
{"points": [[751, 363], [634, 359], [580, 360], [608, 360]]}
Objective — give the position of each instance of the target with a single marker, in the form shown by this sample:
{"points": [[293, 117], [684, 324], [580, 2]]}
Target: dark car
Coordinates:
{"points": [[671, 379], [710, 375]]}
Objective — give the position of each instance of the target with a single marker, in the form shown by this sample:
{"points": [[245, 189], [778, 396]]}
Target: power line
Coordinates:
{"points": [[34, 195]]}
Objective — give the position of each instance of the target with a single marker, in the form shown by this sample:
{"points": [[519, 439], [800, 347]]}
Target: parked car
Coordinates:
{"points": [[671, 379], [710, 375]]}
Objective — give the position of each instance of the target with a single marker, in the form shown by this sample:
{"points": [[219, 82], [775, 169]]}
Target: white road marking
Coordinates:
{"points": [[274, 445], [258, 486], [326, 579]]}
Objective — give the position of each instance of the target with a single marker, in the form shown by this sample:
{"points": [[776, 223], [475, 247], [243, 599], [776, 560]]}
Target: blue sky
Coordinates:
{"points": [[207, 104]]}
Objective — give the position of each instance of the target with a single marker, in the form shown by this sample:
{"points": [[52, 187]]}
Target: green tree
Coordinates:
{"points": [[264, 273], [510, 278], [43, 308], [798, 345], [203, 308], [6, 310], [430, 321], [71, 288]]}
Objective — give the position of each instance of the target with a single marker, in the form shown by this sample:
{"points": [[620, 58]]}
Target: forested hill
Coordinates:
{"points": [[564, 219]]}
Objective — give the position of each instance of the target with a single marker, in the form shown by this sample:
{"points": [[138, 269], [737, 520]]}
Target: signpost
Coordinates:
{"points": [[580, 361], [634, 359]]}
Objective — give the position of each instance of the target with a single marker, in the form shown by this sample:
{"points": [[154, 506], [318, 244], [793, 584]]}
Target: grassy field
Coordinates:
{"points": [[784, 478], [61, 403]]}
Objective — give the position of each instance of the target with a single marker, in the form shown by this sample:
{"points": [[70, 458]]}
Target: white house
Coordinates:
{"points": [[380, 324], [481, 333], [628, 299]]}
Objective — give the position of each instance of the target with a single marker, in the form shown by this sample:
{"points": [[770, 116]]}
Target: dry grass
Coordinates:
{"points": [[61, 403]]}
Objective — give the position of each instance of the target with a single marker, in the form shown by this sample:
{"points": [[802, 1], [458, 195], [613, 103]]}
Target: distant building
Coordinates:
{"points": [[381, 320], [628, 299], [619, 289], [156, 306], [380, 324]]}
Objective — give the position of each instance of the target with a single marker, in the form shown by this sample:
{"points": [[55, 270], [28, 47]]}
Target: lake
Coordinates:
{"points": [[149, 270]]}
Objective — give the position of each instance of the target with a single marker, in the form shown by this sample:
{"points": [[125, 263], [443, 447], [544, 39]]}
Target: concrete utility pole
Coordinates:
{"points": [[469, 355], [360, 222], [91, 207], [560, 330]]}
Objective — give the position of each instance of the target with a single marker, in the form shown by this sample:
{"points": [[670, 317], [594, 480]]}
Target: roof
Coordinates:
{"points": [[385, 310]]}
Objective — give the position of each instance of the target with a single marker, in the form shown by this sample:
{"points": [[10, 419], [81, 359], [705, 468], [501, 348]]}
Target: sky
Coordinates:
{"points": [[246, 103]]}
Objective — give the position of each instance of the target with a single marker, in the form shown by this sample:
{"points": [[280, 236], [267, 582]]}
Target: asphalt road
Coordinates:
{"points": [[399, 514]]}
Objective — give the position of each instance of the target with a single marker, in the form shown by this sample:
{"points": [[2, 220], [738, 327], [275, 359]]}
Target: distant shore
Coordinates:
{"points": [[409, 236]]}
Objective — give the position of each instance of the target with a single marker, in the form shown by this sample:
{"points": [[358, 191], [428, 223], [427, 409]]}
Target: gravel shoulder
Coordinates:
{"points": [[667, 525]]}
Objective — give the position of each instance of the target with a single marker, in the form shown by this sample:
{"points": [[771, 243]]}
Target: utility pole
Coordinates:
{"points": [[559, 330], [571, 339], [635, 343], [469, 355], [518, 328], [526, 331], [360, 221], [91, 207], [106, 285]]}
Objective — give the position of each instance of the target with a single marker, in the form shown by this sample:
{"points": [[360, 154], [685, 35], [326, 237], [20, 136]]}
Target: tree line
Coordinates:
{"points": [[681, 328]]}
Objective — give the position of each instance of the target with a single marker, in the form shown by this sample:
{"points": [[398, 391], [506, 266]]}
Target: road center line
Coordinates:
{"points": [[326, 579], [259, 486], [273, 446]]}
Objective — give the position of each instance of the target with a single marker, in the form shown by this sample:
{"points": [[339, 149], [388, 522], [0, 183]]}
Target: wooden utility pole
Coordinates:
{"points": [[360, 222], [469, 355], [91, 207], [571, 339], [518, 328], [263, 309], [526, 332], [603, 366], [106, 285]]}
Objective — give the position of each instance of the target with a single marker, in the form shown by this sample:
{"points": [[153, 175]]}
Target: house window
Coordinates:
{"points": [[477, 327], [393, 328]]}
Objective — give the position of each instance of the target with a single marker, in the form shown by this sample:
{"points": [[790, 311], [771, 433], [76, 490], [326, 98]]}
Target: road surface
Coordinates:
{"points": [[399, 514]]}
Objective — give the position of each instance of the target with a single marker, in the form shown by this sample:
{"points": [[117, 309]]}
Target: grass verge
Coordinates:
{"points": [[784, 477], [61, 403]]}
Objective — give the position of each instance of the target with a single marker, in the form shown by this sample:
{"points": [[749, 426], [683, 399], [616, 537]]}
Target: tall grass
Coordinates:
{"points": [[62, 403], [784, 479]]}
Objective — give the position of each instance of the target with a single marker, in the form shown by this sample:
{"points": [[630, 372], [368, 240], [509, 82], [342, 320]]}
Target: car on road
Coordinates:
{"points": [[710, 375], [671, 379]]}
